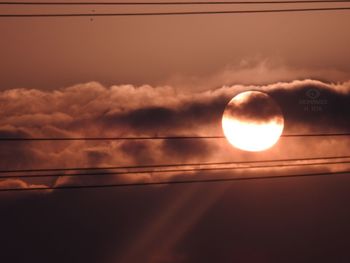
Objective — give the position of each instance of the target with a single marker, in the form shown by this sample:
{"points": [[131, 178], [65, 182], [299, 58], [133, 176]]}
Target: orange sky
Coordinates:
{"points": [[48, 53]]}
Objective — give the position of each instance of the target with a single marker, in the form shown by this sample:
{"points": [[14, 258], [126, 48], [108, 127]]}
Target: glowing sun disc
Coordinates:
{"points": [[252, 121]]}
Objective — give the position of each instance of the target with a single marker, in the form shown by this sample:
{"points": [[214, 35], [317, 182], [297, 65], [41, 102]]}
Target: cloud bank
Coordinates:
{"points": [[92, 110]]}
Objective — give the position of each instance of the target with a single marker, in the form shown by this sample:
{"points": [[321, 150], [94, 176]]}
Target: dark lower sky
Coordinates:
{"points": [[298, 220]]}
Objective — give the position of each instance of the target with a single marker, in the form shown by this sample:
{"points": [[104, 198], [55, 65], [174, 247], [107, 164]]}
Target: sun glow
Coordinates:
{"points": [[252, 134]]}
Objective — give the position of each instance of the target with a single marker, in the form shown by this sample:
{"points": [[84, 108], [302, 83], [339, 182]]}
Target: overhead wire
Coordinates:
{"points": [[171, 165], [2, 139], [174, 182], [176, 2], [179, 13], [169, 170]]}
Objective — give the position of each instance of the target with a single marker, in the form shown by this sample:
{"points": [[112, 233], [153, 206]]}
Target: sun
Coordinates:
{"points": [[252, 121]]}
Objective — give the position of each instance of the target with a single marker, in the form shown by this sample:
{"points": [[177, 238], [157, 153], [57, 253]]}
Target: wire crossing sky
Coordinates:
{"points": [[159, 137], [46, 15], [213, 180], [178, 3], [175, 165], [170, 170]]}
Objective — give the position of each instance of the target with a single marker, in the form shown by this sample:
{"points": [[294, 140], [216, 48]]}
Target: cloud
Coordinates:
{"points": [[93, 110], [324, 113], [253, 107], [185, 150], [257, 71], [20, 184], [139, 152]]}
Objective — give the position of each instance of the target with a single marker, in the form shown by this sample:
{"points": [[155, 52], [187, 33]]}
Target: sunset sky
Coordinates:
{"points": [[160, 76]]}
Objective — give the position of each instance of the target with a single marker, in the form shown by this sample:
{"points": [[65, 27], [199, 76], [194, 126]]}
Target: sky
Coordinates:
{"points": [[172, 76], [55, 53]]}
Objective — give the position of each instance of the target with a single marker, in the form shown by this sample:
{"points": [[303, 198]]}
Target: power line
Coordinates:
{"points": [[174, 13], [156, 137], [316, 135], [231, 179], [170, 170], [178, 3], [171, 165], [111, 138]]}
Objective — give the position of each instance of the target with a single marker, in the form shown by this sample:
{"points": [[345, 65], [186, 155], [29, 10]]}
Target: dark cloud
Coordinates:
{"points": [[204, 112], [256, 107], [12, 132], [96, 156], [16, 154], [144, 119], [187, 149], [139, 152], [168, 120], [315, 107]]}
